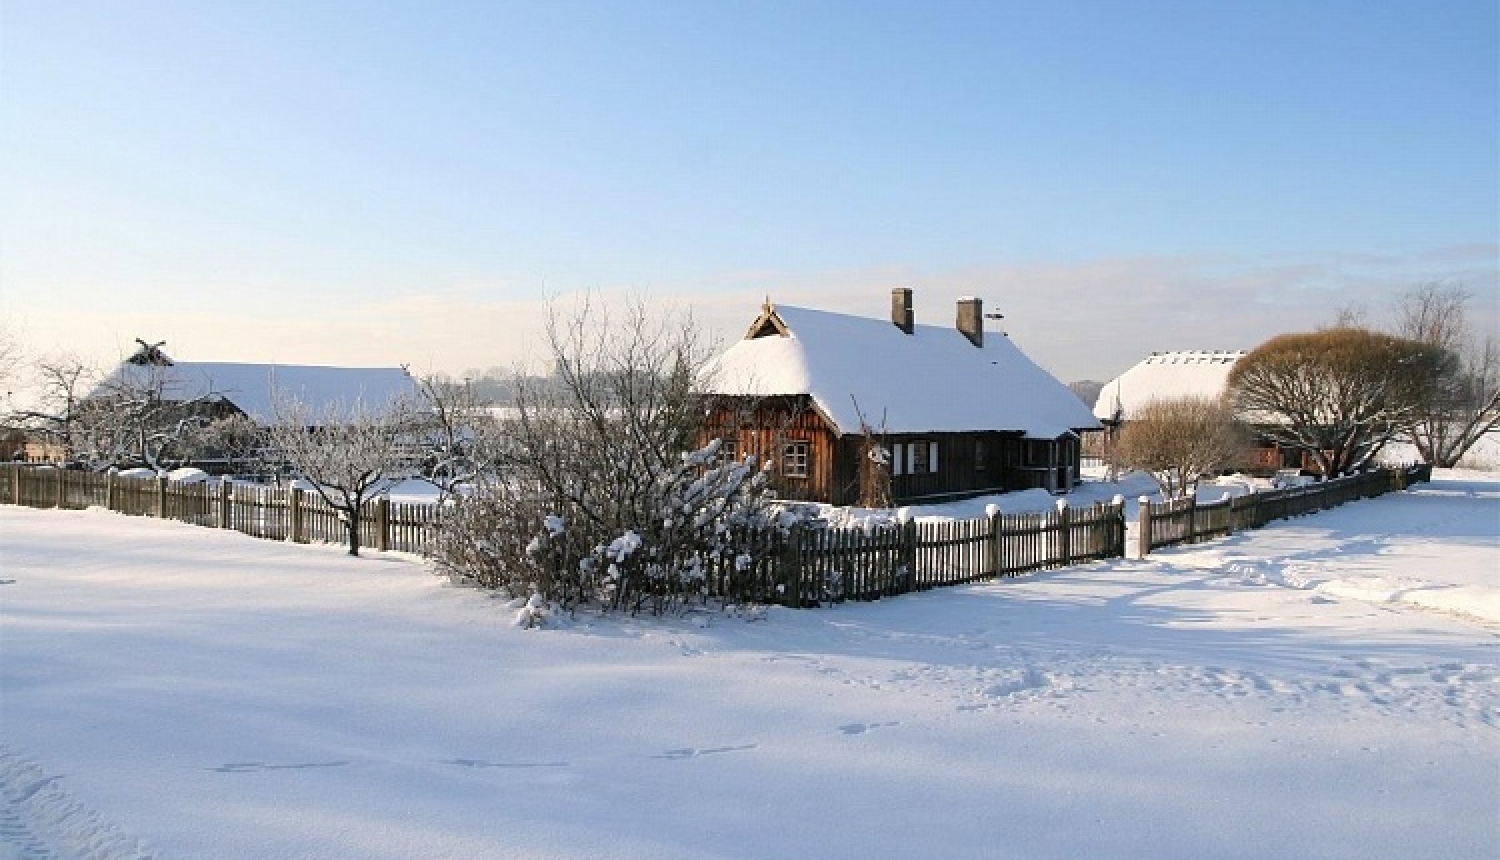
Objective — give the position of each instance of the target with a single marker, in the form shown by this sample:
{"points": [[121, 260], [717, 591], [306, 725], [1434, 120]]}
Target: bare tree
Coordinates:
{"points": [[138, 417], [454, 423], [12, 355], [874, 464], [349, 452], [1353, 314], [1463, 399], [12, 361], [1179, 440], [133, 425], [1339, 394], [600, 492], [62, 381]]}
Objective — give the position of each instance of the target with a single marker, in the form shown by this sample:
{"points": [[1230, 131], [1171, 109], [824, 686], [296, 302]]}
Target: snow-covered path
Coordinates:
{"points": [[195, 694]]}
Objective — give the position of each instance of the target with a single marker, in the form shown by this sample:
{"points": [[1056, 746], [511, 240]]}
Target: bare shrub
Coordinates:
{"points": [[1179, 440], [595, 491]]}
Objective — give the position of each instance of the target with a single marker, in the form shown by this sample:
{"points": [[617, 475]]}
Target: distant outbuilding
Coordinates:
{"points": [[1164, 376], [253, 390]]}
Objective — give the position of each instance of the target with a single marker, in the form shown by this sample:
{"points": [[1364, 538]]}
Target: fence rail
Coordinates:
{"points": [[809, 567]]}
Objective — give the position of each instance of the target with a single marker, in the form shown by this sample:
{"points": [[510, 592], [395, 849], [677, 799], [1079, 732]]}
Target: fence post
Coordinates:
{"points": [[294, 515], [226, 502], [62, 483], [1143, 529], [383, 523], [909, 547], [791, 584], [109, 488], [996, 562], [1064, 527], [1117, 540], [161, 497], [1229, 511]]}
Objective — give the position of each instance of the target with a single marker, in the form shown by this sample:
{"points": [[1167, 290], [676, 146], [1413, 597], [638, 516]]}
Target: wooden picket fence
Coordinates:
{"points": [[813, 566], [1190, 521], [808, 567], [275, 513]]}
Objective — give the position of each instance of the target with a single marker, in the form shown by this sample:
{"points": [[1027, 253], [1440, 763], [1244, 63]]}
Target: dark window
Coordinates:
{"points": [[921, 457], [729, 450]]}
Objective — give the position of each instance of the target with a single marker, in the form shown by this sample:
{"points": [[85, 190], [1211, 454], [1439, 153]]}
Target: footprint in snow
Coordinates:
{"points": [[257, 767], [860, 728], [695, 752], [474, 762]]}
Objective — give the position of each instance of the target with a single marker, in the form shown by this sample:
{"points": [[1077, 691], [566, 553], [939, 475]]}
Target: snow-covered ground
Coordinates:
{"points": [[1325, 687]]}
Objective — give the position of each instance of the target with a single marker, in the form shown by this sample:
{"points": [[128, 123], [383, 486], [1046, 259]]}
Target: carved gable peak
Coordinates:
{"points": [[767, 324]]}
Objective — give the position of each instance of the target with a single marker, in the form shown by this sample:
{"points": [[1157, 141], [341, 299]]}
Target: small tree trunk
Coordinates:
{"points": [[351, 523]]}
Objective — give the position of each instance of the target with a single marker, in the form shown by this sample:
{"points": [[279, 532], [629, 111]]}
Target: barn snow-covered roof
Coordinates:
{"points": [[1165, 376], [933, 380], [255, 389]]}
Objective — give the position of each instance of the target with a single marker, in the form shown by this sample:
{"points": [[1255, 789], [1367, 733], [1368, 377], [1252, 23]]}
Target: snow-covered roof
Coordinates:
{"points": [[256, 388], [930, 381], [1165, 376]]}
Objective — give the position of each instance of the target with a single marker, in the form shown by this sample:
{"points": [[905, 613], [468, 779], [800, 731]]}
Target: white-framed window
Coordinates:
{"points": [[794, 459], [914, 458]]}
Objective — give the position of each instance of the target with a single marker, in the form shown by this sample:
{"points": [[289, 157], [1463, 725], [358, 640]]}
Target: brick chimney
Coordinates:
{"points": [[971, 319], [901, 313]]}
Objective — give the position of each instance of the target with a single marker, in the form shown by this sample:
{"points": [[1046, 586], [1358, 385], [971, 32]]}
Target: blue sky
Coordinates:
{"points": [[386, 183]]}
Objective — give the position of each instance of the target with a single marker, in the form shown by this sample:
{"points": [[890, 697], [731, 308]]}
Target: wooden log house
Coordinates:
{"points": [[952, 413]]}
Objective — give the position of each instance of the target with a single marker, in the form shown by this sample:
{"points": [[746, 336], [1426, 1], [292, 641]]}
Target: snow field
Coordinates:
{"points": [[1297, 691]]}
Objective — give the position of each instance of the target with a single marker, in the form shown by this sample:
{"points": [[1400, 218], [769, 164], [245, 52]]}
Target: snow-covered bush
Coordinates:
{"points": [[706, 524], [701, 531], [532, 612]]}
